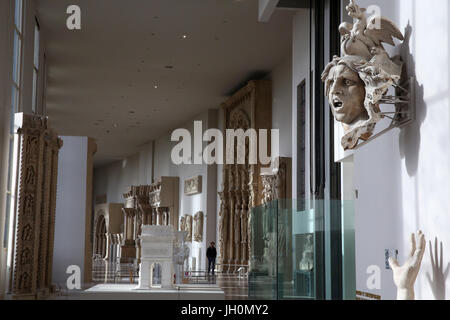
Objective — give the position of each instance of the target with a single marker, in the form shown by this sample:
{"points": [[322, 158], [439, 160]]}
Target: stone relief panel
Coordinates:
{"points": [[198, 227], [188, 228], [193, 186]]}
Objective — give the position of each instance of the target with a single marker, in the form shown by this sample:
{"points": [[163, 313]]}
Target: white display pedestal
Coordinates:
{"points": [[157, 244], [129, 292]]}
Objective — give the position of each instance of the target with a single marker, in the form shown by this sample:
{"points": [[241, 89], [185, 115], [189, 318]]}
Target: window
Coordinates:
{"points": [[36, 66], [15, 107], [44, 87]]}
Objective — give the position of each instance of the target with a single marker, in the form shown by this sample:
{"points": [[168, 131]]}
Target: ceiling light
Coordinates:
{"points": [[115, 125], [156, 86], [185, 36]]}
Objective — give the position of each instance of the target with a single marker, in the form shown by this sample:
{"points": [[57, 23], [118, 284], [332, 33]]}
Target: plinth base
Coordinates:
{"points": [[129, 292]]}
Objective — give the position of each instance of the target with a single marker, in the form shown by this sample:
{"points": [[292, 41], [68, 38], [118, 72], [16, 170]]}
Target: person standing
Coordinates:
{"points": [[211, 254]]}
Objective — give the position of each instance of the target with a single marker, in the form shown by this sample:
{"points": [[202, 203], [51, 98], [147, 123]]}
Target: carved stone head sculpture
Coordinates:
{"points": [[357, 81]]}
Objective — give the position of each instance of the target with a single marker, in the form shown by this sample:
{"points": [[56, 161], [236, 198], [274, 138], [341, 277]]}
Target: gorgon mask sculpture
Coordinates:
{"points": [[356, 82]]}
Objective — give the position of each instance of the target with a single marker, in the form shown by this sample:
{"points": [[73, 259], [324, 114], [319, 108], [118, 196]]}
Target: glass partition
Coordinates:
{"points": [[288, 249]]}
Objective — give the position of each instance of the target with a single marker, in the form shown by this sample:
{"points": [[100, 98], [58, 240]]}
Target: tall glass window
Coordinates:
{"points": [[36, 66], [15, 107]]}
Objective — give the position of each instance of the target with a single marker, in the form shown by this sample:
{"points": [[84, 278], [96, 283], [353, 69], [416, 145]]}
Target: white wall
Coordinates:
{"points": [[70, 217], [403, 176], [114, 179], [282, 105]]}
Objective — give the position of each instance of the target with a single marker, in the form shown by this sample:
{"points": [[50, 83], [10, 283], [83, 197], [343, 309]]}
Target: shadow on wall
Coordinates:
{"points": [[438, 279], [410, 135]]}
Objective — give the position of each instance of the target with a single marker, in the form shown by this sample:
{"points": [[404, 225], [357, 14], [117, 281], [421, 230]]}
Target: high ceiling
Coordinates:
{"points": [[139, 68]]}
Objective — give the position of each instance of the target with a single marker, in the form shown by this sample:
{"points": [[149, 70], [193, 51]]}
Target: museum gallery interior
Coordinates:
{"points": [[224, 150]]}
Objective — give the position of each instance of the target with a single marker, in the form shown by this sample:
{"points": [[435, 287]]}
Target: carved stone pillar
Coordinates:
{"points": [[231, 248], [160, 217], [154, 216], [128, 249], [35, 217], [223, 228], [237, 230], [244, 228], [249, 108]]}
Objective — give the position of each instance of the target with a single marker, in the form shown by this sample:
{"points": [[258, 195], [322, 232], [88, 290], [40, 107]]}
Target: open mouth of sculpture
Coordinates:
{"points": [[337, 104]]}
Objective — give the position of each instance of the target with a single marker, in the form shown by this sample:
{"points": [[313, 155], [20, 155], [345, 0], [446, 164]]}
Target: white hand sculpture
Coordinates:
{"points": [[439, 275], [405, 275]]}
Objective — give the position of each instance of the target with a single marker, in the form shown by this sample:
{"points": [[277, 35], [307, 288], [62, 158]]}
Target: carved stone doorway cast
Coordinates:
{"points": [[249, 108]]}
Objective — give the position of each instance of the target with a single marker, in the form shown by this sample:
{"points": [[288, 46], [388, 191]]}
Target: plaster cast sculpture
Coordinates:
{"points": [[223, 224], [250, 107], [34, 218], [183, 223], [158, 244], [108, 219], [356, 83], [193, 186], [405, 276], [164, 201], [276, 189], [188, 228], [307, 262], [198, 227], [180, 255]]}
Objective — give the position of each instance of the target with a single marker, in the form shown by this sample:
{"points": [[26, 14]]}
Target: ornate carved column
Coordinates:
{"points": [[223, 228], [35, 216], [128, 249], [159, 212], [244, 228], [249, 108]]}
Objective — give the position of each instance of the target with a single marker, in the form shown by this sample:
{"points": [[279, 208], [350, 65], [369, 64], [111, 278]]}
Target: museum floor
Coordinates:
{"points": [[235, 288]]}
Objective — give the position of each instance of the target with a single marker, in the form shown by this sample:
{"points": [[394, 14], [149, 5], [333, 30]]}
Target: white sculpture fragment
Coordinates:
{"points": [[405, 276], [357, 82], [307, 262], [157, 243], [198, 227]]}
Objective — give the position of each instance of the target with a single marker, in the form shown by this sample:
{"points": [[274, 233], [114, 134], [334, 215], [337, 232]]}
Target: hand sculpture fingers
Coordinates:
{"points": [[412, 241], [393, 263], [441, 263], [422, 244], [418, 254]]}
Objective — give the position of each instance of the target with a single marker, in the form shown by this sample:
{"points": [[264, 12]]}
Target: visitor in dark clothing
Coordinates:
{"points": [[211, 254]]}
